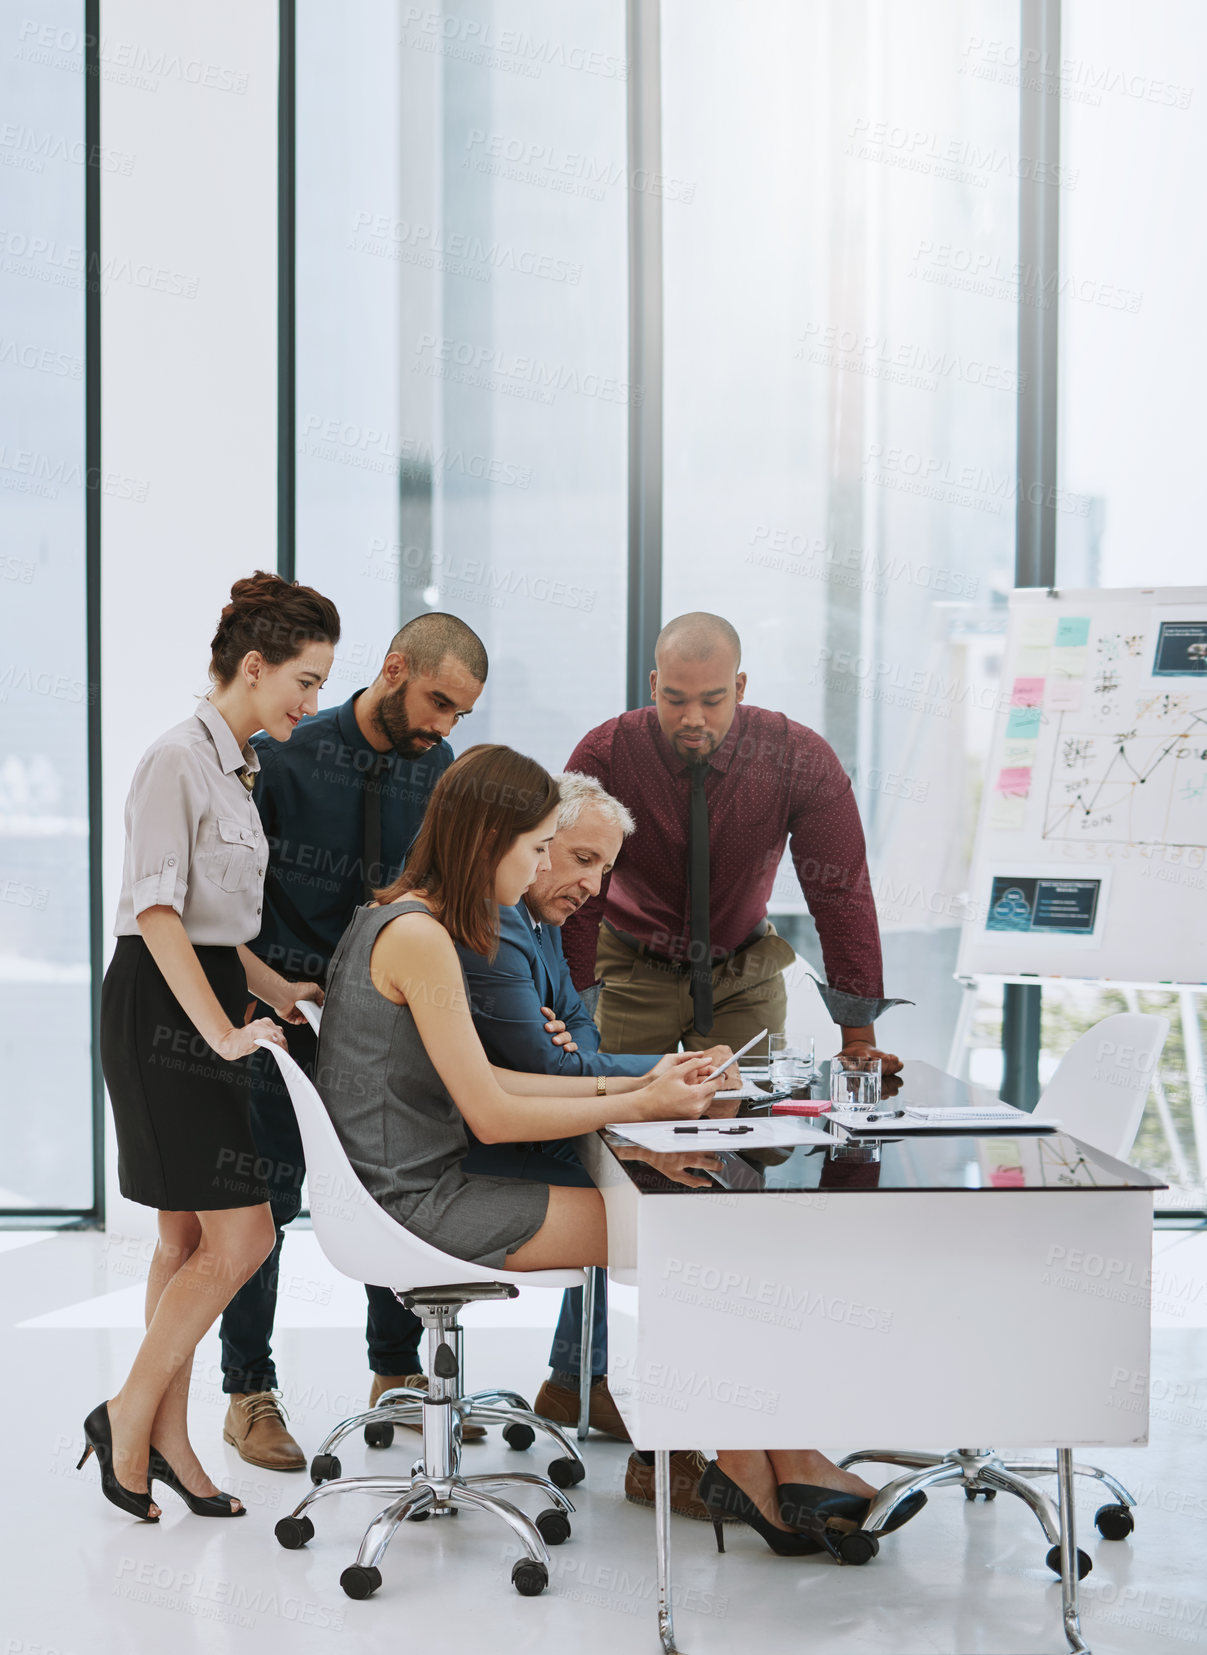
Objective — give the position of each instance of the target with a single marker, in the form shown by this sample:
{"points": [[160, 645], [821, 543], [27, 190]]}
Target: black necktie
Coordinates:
{"points": [[371, 869], [700, 948]]}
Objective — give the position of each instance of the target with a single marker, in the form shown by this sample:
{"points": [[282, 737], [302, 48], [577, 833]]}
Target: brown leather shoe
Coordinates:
{"points": [[255, 1425], [687, 1467], [418, 1382], [560, 1404]]}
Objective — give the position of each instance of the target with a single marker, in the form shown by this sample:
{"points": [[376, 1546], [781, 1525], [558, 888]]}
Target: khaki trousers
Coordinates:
{"points": [[645, 1005]]}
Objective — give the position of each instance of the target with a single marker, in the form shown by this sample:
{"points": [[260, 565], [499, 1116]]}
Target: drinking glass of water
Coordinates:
{"points": [[854, 1083], [790, 1065]]}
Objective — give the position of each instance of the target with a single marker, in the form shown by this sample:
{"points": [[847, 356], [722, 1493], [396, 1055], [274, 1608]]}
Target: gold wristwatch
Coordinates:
{"points": [[601, 1086]]}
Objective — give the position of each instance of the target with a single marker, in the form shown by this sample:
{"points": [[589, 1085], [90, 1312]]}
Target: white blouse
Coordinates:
{"points": [[193, 836]]}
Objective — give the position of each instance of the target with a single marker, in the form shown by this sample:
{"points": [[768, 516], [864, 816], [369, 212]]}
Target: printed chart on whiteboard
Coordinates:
{"points": [[1091, 854]]}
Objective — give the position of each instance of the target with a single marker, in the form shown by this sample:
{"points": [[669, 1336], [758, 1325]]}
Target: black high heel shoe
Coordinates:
{"points": [[801, 1503], [98, 1439], [723, 1498], [201, 1505]]}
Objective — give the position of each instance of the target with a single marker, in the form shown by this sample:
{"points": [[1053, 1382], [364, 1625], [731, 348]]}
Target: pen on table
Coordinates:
{"points": [[729, 1129]]}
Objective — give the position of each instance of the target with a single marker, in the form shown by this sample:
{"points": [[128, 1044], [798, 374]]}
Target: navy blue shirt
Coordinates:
{"points": [[310, 792], [506, 995]]}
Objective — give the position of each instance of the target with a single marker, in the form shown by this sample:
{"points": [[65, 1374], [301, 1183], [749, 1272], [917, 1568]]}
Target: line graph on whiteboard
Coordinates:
{"points": [[1137, 781]]}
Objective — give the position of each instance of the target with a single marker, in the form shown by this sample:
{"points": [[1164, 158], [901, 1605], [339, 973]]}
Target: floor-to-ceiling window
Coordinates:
{"points": [[461, 383], [45, 1051], [841, 388], [840, 282], [1132, 352]]}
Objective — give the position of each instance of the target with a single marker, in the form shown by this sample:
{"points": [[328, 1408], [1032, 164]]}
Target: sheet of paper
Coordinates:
{"points": [[1027, 692], [1032, 662], [747, 1093], [1022, 723], [1064, 695], [772, 1132], [1007, 813], [953, 1120], [1069, 663], [1072, 631], [1036, 628], [1015, 782]]}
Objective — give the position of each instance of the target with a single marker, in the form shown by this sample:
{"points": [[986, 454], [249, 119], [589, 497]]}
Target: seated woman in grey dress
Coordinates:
{"points": [[403, 1074], [400, 1065]]}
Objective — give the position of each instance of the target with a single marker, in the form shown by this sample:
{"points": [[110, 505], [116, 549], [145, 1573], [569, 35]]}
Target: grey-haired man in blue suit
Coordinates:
{"points": [[530, 1017]]}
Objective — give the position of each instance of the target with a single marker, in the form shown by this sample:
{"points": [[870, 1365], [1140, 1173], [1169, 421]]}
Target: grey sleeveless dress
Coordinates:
{"points": [[400, 1129]]}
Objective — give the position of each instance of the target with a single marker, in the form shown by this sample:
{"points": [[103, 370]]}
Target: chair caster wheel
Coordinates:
{"points": [[528, 1577], [553, 1526], [379, 1433], [293, 1532], [566, 1472], [519, 1436], [988, 1493], [1084, 1562], [325, 1468], [360, 1581], [858, 1548], [1114, 1522]]}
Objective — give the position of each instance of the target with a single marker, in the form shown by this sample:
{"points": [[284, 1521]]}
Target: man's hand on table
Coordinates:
{"points": [[557, 1030], [890, 1064]]}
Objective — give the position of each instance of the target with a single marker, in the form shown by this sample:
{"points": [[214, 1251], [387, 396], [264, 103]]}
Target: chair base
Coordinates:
{"points": [[981, 1471], [435, 1487]]}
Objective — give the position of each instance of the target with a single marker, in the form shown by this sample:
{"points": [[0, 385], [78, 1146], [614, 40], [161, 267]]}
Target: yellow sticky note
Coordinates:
{"points": [[1007, 813]]}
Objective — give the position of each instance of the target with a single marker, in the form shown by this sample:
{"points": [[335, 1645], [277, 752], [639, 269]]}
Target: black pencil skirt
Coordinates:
{"points": [[184, 1141]]}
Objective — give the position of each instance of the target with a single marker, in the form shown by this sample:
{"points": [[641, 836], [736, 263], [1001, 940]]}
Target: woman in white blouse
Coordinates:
{"points": [[174, 1035]]}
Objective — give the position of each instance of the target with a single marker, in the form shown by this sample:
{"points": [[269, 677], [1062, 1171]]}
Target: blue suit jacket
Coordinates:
{"points": [[506, 997]]}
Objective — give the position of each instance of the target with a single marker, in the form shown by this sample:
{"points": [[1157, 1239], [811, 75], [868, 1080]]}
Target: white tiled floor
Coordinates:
{"points": [[85, 1580]]}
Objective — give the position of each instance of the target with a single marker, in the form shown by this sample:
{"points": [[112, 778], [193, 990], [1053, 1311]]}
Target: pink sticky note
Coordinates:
{"points": [[1064, 695], [1015, 782], [1028, 692]]}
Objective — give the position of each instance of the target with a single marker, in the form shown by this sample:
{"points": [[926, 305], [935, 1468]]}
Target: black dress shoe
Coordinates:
{"points": [[98, 1440], [201, 1505], [727, 1502], [802, 1502]]}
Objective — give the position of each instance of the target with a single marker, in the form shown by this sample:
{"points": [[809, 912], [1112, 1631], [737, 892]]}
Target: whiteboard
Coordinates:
{"points": [[1091, 850]]}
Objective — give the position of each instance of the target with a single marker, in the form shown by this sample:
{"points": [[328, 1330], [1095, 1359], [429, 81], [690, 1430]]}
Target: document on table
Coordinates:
{"points": [[746, 1093], [765, 1132], [988, 1121]]}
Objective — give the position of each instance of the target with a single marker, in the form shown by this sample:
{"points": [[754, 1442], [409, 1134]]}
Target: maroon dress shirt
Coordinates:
{"points": [[770, 780]]}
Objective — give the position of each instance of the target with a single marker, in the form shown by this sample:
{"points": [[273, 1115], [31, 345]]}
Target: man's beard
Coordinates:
{"points": [[695, 755], [390, 718]]}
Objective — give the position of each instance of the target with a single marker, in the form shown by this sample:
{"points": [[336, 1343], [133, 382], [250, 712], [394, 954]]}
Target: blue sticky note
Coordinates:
{"points": [[1023, 723], [1072, 630]]}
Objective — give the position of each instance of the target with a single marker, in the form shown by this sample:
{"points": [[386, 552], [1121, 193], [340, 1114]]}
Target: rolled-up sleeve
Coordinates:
{"points": [[162, 813]]}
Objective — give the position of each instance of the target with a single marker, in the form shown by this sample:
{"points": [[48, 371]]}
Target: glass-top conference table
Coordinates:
{"points": [[924, 1291]]}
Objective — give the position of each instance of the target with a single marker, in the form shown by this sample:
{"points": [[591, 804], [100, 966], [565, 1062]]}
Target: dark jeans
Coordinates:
{"points": [[393, 1334], [554, 1162]]}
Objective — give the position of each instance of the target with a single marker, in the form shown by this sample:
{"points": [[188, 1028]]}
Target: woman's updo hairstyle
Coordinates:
{"points": [[273, 616]]}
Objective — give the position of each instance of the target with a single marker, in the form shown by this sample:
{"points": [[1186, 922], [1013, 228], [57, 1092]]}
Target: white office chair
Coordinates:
{"points": [[1098, 1095], [379, 1433], [362, 1241]]}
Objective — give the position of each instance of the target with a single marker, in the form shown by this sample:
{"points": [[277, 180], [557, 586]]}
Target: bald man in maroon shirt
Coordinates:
{"points": [[680, 936]]}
